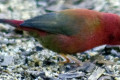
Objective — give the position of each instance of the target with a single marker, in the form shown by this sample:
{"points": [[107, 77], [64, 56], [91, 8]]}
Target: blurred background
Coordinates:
{"points": [[24, 9]]}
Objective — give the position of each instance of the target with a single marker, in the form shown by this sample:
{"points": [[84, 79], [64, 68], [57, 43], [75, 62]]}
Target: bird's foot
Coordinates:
{"points": [[65, 58], [70, 59]]}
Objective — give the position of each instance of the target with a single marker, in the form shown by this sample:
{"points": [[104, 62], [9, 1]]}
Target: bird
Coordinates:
{"points": [[71, 31]]}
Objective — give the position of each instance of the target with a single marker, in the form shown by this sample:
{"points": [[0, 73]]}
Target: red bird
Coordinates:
{"points": [[72, 30]]}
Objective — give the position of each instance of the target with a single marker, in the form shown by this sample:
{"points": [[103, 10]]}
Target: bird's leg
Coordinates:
{"points": [[78, 62], [69, 59], [66, 59]]}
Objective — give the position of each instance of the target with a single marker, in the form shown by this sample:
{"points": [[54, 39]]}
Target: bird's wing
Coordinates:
{"points": [[56, 23]]}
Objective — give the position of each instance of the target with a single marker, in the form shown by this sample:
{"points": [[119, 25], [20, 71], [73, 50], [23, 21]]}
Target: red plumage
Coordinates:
{"points": [[73, 30]]}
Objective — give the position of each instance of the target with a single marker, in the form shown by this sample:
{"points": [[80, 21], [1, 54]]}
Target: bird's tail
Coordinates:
{"points": [[14, 23]]}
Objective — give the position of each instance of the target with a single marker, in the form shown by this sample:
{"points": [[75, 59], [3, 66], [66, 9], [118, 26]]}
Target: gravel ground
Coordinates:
{"points": [[23, 58]]}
